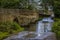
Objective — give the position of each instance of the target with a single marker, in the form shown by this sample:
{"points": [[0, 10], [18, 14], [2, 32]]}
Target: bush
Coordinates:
{"points": [[7, 28], [56, 28], [9, 3], [13, 4], [3, 35]]}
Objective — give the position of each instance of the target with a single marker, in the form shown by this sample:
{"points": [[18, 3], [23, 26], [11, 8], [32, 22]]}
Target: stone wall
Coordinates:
{"points": [[23, 17]]}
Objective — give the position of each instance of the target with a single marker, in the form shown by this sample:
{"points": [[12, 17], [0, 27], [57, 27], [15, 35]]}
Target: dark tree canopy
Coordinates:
{"points": [[13, 3], [57, 8]]}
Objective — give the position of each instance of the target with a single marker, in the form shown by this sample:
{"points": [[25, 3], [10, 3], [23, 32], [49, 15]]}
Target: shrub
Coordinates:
{"points": [[3, 35], [56, 28], [8, 28]]}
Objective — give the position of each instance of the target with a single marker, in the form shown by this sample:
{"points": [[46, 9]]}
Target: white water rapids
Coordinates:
{"points": [[43, 26]]}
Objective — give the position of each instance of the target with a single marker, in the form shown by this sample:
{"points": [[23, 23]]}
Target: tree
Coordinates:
{"points": [[14, 3], [56, 28], [57, 8], [8, 3]]}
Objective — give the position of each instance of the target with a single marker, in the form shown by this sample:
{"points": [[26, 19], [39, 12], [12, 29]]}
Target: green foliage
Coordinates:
{"points": [[56, 28], [8, 3], [3, 35], [30, 7], [57, 8], [8, 28], [14, 3], [18, 4]]}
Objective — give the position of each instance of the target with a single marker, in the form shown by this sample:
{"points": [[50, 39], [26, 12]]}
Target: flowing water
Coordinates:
{"points": [[44, 26]]}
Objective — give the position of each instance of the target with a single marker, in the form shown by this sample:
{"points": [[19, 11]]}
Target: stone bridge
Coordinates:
{"points": [[23, 17]]}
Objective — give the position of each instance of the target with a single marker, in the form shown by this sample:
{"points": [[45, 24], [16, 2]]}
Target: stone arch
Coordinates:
{"points": [[16, 20]]}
